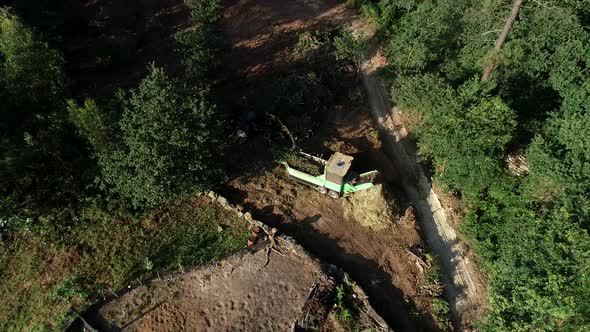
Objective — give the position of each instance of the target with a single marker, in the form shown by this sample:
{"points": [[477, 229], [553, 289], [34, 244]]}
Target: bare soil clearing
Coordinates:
{"points": [[241, 293], [260, 37], [380, 261]]}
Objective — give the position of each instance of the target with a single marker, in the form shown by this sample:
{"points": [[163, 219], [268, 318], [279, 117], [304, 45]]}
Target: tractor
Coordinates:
{"points": [[338, 180]]}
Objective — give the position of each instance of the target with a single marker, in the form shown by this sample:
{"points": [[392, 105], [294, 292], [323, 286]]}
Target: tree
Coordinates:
{"points": [[161, 148], [31, 80], [465, 130], [530, 231], [560, 158], [351, 48], [502, 38], [37, 146], [425, 36], [30, 72]]}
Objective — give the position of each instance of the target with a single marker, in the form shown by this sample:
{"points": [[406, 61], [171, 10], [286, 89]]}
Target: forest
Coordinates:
{"points": [[504, 130], [529, 226], [97, 192]]}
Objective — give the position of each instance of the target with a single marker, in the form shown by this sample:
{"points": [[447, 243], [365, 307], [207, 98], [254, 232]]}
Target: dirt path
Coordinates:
{"points": [[465, 285]]}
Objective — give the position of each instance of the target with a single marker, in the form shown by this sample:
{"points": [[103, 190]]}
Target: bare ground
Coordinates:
{"points": [[245, 292], [380, 261]]}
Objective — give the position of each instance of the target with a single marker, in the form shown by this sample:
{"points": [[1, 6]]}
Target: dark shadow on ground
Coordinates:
{"points": [[107, 45]]}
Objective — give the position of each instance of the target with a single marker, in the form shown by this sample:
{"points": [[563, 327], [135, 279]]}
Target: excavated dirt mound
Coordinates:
{"points": [[245, 292], [371, 208]]}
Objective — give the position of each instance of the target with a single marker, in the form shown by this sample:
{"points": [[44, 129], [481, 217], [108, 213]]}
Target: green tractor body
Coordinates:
{"points": [[337, 179]]}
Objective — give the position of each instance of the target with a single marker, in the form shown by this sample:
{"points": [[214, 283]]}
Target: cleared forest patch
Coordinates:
{"points": [[249, 291]]}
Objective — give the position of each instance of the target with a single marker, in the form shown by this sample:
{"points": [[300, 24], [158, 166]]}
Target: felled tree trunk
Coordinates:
{"points": [[487, 72]]}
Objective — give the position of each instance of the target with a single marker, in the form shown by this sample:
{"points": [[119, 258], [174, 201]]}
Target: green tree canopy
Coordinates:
{"points": [[464, 131], [36, 141], [530, 230], [160, 148]]}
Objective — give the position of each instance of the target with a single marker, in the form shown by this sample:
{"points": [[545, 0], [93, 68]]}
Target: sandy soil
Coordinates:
{"points": [[237, 294]]}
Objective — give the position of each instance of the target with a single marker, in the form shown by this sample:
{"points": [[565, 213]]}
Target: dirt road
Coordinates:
{"points": [[465, 287]]}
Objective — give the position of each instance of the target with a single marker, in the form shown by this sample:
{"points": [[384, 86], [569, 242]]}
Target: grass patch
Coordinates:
{"points": [[432, 273], [432, 284], [43, 275], [441, 312], [346, 307]]}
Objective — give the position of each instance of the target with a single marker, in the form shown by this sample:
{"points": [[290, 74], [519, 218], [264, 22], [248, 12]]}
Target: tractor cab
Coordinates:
{"points": [[337, 168]]}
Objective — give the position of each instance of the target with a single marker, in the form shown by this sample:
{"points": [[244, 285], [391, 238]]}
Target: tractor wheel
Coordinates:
{"points": [[322, 190], [333, 194]]}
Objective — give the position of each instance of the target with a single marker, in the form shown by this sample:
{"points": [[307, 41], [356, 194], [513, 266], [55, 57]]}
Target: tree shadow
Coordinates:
{"points": [[108, 45]]}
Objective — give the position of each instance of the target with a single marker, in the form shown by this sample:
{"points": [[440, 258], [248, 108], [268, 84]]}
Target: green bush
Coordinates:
{"points": [[346, 306], [465, 131], [38, 146], [161, 148], [440, 310], [30, 72], [351, 48]]}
